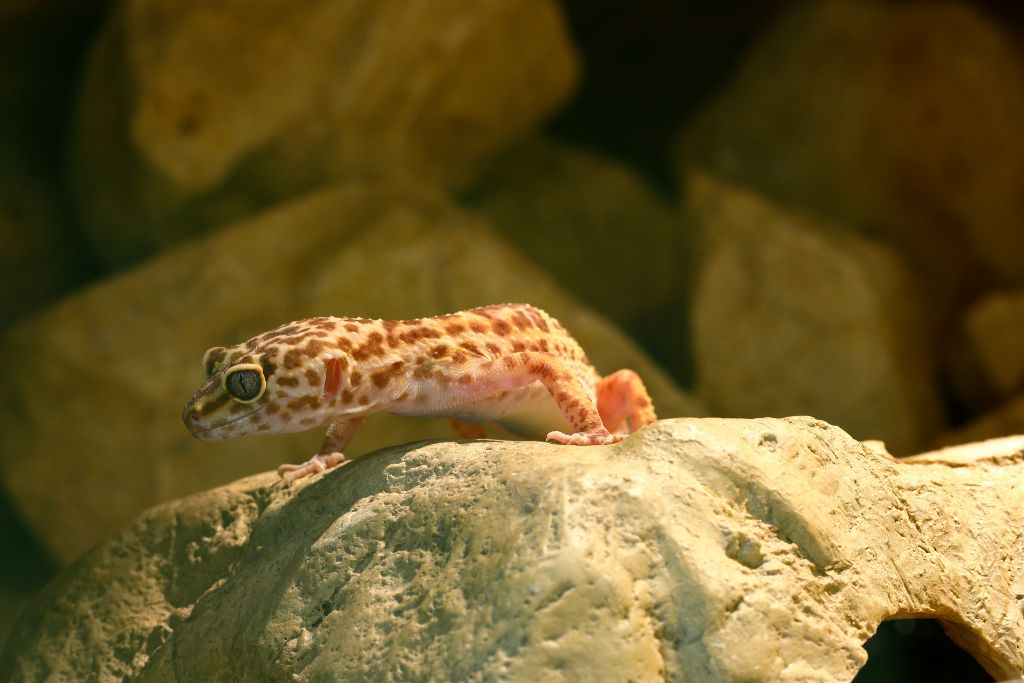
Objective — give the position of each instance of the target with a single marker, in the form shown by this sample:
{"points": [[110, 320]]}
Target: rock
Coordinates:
{"points": [[792, 316], [191, 113], [839, 109], [41, 256], [995, 329], [697, 550], [38, 261], [90, 427], [574, 212], [599, 228]]}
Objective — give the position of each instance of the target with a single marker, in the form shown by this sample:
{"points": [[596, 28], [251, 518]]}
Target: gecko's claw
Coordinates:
{"points": [[320, 462], [584, 439]]}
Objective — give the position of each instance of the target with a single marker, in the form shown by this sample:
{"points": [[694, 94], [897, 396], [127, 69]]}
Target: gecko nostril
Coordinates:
{"points": [[189, 415]]}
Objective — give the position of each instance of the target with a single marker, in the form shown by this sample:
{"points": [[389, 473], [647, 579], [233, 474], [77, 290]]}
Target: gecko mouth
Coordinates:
{"points": [[209, 431]]}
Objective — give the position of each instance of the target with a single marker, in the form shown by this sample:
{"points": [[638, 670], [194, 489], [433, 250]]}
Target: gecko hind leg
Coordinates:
{"points": [[520, 369], [624, 403]]}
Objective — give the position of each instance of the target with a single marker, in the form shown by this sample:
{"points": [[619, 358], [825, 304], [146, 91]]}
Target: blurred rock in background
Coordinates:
{"points": [[191, 113], [898, 120], [793, 207], [791, 314]]}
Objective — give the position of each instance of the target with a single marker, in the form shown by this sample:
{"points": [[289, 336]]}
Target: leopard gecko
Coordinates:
{"points": [[511, 364]]}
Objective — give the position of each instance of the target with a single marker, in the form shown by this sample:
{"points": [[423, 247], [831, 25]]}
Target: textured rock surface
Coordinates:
{"points": [[575, 212], [995, 328], [838, 109], [193, 112], [698, 550], [90, 430], [792, 316]]}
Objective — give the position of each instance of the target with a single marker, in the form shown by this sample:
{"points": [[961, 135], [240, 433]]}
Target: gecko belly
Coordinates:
{"points": [[530, 412]]}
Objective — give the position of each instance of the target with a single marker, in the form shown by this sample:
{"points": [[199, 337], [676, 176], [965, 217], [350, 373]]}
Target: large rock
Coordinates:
{"points": [[896, 119], [791, 316], [192, 113], [697, 550], [90, 427]]}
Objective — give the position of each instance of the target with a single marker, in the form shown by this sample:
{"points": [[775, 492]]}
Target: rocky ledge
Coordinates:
{"points": [[698, 550]]}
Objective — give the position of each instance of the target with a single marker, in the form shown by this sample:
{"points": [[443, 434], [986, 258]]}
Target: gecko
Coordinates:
{"points": [[510, 364]]}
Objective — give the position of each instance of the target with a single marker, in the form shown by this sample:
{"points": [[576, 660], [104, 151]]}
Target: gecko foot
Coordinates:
{"points": [[318, 463], [584, 439]]}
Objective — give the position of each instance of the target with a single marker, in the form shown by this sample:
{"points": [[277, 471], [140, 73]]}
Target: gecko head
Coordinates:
{"points": [[249, 390]]}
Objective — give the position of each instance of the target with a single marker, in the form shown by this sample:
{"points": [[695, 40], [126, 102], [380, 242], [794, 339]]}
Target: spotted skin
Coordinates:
{"points": [[511, 364]]}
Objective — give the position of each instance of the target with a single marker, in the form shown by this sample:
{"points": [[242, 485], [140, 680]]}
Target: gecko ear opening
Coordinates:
{"points": [[212, 360], [245, 383]]}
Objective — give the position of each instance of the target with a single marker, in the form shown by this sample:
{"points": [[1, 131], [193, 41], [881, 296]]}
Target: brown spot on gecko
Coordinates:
{"points": [[282, 332], [355, 378], [520, 320], [454, 329], [439, 351], [466, 379], [351, 327], [288, 381], [346, 396], [304, 402], [272, 408], [479, 328], [509, 361], [314, 347], [292, 359], [518, 346], [313, 377], [382, 377], [459, 358], [501, 327], [471, 348], [364, 400], [493, 348], [308, 421], [268, 367]]}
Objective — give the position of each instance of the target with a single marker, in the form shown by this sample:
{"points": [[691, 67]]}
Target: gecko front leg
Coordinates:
{"points": [[331, 453]]}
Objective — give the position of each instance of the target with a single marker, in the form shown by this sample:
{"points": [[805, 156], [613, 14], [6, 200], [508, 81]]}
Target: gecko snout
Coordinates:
{"points": [[190, 416]]}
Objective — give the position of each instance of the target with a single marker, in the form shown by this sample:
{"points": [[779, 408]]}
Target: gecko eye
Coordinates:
{"points": [[245, 383], [212, 360]]}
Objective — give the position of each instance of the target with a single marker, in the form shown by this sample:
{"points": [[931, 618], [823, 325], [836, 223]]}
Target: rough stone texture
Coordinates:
{"points": [[838, 109], [192, 113], [791, 315], [90, 428], [697, 550], [995, 329], [595, 224]]}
